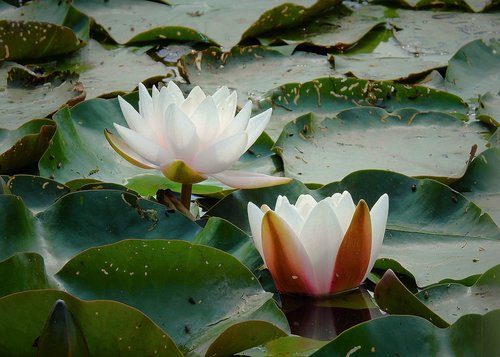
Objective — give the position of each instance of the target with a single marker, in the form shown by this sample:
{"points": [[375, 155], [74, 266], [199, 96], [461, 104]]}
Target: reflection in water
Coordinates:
{"points": [[323, 319]]}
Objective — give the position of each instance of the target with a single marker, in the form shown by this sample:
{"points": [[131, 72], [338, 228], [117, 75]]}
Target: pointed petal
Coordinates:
{"points": [[173, 92], [255, 216], [227, 109], [178, 171], [144, 147], [206, 120], [220, 95], [125, 151], [239, 123], [344, 209], [321, 237], [285, 257], [145, 103], [305, 204], [378, 215], [290, 214], [221, 155], [194, 99], [181, 134], [246, 180], [132, 117], [256, 126], [354, 253]]}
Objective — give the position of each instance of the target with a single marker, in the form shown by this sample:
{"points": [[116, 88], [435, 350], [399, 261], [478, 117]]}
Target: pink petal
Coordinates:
{"points": [[242, 179], [354, 252], [285, 256]]}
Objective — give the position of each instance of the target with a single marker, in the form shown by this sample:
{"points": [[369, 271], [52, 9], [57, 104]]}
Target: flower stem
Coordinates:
{"points": [[186, 190]]}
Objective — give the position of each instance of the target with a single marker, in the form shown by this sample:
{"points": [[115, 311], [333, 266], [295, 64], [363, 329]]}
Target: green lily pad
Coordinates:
{"points": [[326, 97], [410, 142], [451, 301], [481, 182], [38, 193], [52, 11], [213, 289], [489, 109], [24, 146], [441, 33], [109, 328], [394, 298], [94, 65], [241, 335], [222, 235], [63, 229], [424, 216], [472, 335], [339, 29], [148, 185], [35, 40], [290, 345], [376, 66], [236, 69], [24, 271], [473, 70], [191, 20], [43, 99], [474, 5]]}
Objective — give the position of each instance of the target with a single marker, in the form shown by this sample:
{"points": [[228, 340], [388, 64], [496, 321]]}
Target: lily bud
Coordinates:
{"points": [[319, 248]]}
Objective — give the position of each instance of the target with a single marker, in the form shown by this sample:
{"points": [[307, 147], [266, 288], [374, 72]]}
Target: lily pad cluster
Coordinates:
{"points": [[396, 97]]}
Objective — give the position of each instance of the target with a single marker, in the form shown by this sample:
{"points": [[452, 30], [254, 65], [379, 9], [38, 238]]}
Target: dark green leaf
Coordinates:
{"points": [[24, 271], [394, 298], [109, 328], [161, 278], [472, 335], [452, 301]]}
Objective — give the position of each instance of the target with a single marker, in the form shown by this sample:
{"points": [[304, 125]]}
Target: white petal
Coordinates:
{"points": [[378, 216], [335, 199], [256, 126], [221, 155], [239, 123], [194, 99], [155, 96], [321, 237], [227, 109], [290, 214], [344, 210], [206, 120], [173, 93], [220, 95], [242, 179], [133, 118], [255, 215], [181, 134], [145, 103], [144, 147], [305, 204]]}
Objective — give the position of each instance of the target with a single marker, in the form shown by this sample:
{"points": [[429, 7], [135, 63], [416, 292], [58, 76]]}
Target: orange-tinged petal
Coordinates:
{"points": [[125, 151], [178, 171], [285, 256], [354, 253]]}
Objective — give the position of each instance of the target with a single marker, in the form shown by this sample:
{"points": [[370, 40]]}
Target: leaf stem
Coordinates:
{"points": [[186, 190]]}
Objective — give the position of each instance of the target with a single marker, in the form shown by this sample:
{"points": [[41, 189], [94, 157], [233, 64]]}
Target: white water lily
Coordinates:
{"points": [[189, 139], [319, 248]]}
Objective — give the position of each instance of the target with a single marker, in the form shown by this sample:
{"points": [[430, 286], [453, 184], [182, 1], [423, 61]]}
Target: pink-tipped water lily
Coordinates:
{"points": [[189, 139], [319, 248]]}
